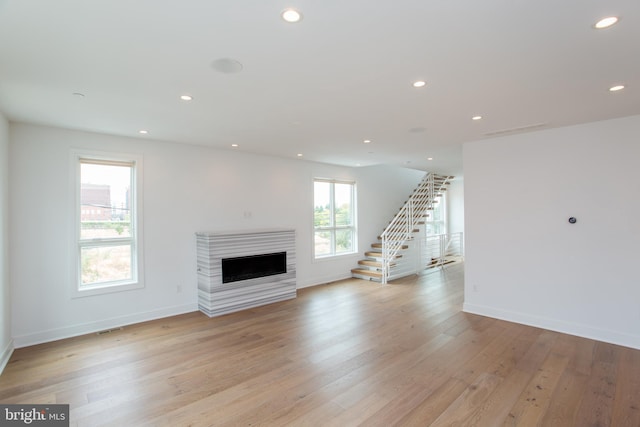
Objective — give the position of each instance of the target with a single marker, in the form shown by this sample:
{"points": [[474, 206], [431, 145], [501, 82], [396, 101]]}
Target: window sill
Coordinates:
{"points": [[106, 289], [334, 257]]}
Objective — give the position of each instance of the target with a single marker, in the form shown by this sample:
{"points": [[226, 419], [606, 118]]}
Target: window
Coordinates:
{"points": [[437, 219], [334, 218], [107, 210]]}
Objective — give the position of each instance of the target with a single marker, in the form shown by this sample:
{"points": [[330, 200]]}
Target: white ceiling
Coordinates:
{"points": [[321, 86]]}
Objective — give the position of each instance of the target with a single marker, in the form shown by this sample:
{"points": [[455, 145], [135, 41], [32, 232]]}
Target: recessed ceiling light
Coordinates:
{"points": [[143, 132], [429, 158], [419, 83], [476, 118], [186, 97], [616, 88], [606, 22], [367, 141], [234, 145], [291, 15], [299, 154]]}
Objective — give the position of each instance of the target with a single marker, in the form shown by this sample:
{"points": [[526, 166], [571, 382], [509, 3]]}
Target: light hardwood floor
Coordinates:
{"points": [[348, 353]]}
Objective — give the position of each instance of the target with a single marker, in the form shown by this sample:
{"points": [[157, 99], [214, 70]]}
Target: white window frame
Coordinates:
{"points": [[333, 228], [137, 267]]}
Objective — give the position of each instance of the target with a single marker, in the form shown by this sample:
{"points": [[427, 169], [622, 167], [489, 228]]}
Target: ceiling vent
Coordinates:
{"points": [[520, 129]]}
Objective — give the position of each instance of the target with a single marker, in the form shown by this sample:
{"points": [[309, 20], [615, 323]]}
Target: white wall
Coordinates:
{"points": [[455, 208], [524, 261], [6, 344], [186, 189], [382, 183]]}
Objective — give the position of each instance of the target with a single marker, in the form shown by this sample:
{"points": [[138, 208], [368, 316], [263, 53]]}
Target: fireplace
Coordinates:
{"points": [[253, 266], [243, 269]]}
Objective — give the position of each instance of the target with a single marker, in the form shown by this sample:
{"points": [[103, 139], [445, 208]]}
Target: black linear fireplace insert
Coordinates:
{"points": [[253, 266]]}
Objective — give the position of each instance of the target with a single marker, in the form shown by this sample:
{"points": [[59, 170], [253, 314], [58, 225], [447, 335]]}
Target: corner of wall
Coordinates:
{"points": [[6, 342], [553, 324], [6, 355]]}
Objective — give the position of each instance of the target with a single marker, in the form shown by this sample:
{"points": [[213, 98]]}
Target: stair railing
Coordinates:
{"points": [[438, 249], [401, 227]]}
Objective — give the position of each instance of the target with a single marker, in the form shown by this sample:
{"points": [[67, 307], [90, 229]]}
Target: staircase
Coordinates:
{"points": [[390, 257]]}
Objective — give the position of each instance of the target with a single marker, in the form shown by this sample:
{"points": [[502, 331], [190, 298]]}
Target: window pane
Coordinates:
{"points": [[322, 240], [334, 218], [322, 204], [105, 201], [344, 241], [435, 228], [343, 204], [436, 213], [105, 264]]}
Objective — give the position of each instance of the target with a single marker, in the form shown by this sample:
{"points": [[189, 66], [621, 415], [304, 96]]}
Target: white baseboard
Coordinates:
{"points": [[101, 325], [580, 330], [6, 355], [322, 280]]}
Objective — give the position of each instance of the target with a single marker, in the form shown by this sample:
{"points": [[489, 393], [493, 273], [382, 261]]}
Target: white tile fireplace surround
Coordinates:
{"points": [[260, 268]]}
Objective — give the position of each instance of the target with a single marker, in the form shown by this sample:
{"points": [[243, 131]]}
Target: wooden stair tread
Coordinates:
{"points": [[416, 223], [379, 246], [374, 254], [370, 263], [408, 238], [364, 272]]}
